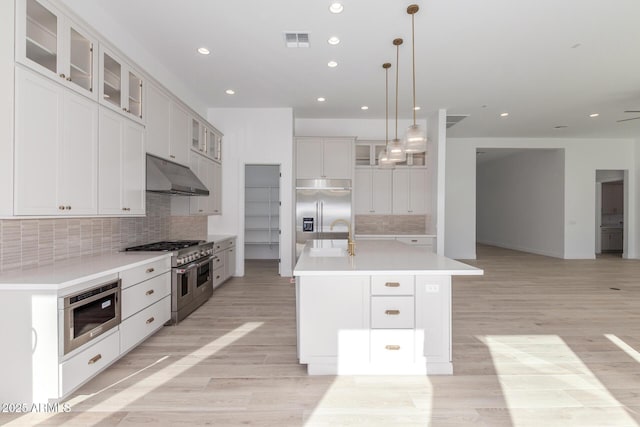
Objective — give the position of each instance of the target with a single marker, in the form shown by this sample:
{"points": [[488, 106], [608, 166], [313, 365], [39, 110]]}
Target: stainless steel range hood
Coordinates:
{"points": [[164, 176]]}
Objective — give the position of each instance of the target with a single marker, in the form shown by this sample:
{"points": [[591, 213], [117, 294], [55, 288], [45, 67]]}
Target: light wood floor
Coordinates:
{"points": [[537, 342]]}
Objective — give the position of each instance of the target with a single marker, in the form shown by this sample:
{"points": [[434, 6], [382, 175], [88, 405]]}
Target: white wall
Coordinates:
{"points": [[368, 129], [582, 158], [520, 202], [254, 136]]}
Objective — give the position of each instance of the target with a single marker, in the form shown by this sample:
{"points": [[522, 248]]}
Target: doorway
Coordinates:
{"points": [[262, 214], [610, 212]]}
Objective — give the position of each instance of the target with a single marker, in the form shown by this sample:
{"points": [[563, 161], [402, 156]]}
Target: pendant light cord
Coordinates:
{"points": [[397, 72], [386, 107], [413, 55]]}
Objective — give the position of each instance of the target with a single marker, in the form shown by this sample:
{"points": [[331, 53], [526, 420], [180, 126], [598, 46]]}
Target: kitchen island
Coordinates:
{"points": [[386, 310]]}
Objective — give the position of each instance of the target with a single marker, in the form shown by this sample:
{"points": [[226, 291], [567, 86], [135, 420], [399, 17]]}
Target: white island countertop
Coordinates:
{"points": [[68, 273], [381, 257]]}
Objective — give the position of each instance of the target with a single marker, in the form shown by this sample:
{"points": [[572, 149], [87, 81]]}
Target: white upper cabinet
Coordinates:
{"points": [[56, 149], [158, 122], [209, 172], [372, 191], [55, 46], [330, 158], [410, 189], [180, 134], [121, 86], [205, 140], [122, 178]]}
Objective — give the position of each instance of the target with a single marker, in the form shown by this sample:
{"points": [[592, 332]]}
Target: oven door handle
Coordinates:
{"points": [[194, 265]]}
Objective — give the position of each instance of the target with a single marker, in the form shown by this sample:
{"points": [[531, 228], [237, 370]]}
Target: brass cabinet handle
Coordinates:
{"points": [[414, 240], [149, 292], [62, 75], [69, 78], [392, 284], [68, 208], [392, 312], [150, 320], [151, 270], [199, 210], [94, 359], [61, 207], [172, 156], [392, 347], [217, 277]]}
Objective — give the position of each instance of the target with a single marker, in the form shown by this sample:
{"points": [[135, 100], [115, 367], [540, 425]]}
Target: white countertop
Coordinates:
{"points": [[65, 274], [381, 257], [394, 235], [219, 237]]}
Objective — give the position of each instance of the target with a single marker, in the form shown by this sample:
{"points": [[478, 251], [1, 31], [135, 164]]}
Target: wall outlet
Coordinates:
{"points": [[432, 288]]}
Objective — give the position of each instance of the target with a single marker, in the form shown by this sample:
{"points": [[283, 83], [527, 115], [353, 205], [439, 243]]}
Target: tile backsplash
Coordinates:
{"points": [[28, 243], [391, 224]]}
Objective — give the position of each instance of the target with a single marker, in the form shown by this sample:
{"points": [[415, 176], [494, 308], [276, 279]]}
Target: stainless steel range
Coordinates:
{"points": [[191, 273]]}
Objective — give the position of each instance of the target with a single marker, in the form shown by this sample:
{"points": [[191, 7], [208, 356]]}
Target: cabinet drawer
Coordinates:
{"points": [[138, 274], [218, 261], [218, 276], [88, 363], [392, 285], [392, 312], [139, 326], [224, 244], [142, 295], [390, 346], [416, 241]]}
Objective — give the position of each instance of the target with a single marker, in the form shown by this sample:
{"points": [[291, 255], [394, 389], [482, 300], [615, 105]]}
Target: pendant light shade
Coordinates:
{"points": [[383, 157], [395, 148], [415, 138]]}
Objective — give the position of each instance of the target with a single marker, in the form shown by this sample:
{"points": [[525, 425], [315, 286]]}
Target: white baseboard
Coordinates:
{"points": [[523, 249]]}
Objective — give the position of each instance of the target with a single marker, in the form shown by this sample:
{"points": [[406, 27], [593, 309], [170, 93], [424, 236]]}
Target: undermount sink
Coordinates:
{"points": [[328, 248]]}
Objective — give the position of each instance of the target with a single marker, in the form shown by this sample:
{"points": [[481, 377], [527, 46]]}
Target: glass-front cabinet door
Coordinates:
{"points": [[53, 45], [121, 87], [81, 67], [213, 145], [196, 138], [135, 95]]}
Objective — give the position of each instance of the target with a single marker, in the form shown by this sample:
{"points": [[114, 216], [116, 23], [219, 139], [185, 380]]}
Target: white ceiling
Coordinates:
{"points": [[546, 62]]}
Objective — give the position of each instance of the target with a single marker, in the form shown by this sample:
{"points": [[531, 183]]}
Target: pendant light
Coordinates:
{"points": [[415, 138], [383, 158], [395, 149]]}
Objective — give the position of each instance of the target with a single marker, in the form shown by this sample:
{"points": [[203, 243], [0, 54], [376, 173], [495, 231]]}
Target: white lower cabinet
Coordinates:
{"points": [[146, 302], [142, 324], [88, 362], [374, 325], [224, 261]]}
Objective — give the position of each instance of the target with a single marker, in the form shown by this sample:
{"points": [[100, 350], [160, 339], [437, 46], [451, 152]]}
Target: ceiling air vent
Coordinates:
{"points": [[296, 39], [454, 120]]}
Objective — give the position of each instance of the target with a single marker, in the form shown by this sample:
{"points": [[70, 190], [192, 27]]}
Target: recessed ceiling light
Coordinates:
{"points": [[417, 107], [230, 91], [364, 107], [332, 64], [336, 7], [203, 51], [334, 40], [504, 114], [594, 115], [321, 99]]}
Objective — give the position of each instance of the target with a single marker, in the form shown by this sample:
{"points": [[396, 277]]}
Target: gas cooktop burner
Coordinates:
{"points": [[166, 246]]}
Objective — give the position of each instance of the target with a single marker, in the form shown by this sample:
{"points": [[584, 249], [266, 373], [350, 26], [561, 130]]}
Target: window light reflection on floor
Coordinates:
{"points": [[542, 371], [120, 400]]}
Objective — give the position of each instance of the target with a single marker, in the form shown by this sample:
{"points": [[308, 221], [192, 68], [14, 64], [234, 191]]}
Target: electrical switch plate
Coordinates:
{"points": [[432, 288]]}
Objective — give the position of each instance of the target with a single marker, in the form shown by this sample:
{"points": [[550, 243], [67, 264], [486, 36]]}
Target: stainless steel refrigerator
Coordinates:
{"points": [[319, 202]]}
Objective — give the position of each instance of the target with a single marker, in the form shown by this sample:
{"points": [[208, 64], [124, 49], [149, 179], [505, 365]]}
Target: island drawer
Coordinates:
{"points": [[390, 346], [392, 312], [392, 285]]}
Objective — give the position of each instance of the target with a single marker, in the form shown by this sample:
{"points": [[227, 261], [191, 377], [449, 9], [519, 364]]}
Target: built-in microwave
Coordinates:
{"points": [[90, 313]]}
